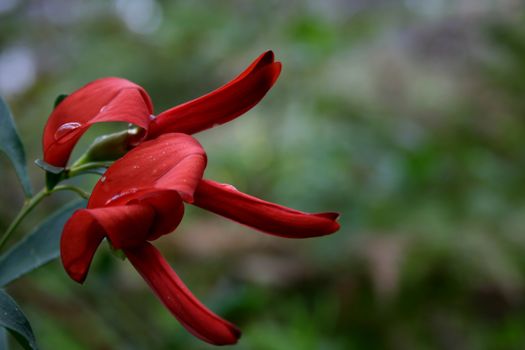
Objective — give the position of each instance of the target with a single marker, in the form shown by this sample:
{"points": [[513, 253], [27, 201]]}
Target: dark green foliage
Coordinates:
{"points": [[12, 318], [38, 248], [11, 145], [59, 99]]}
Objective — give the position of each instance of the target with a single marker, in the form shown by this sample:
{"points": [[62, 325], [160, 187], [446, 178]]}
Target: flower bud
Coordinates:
{"points": [[111, 147]]}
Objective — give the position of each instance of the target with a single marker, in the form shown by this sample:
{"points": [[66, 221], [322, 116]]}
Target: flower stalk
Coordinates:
{"points": [[32, 202], [29, 205]]}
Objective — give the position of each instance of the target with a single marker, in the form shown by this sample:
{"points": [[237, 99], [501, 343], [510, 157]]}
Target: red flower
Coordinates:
{"points": [[140, 198], [116, 99], [136, 201]]}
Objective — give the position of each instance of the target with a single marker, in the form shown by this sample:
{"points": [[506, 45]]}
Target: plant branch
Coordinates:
{"points": [[32, 202], [29, 205]]}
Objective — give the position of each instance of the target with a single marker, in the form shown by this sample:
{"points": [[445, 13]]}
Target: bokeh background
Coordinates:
{"points": [[405, 116]]}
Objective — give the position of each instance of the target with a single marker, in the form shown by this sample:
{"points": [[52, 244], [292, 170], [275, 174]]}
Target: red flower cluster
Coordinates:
{"points": [[142, 195]]}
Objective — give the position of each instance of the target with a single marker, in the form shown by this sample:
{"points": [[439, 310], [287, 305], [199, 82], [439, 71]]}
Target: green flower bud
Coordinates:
{"points": [[110, 147]]}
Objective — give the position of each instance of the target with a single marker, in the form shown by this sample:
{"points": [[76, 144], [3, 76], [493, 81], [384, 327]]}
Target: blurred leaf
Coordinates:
{"points": [[12, 318], [54, 174], [39, 247], [3, 339], [59, 99], [11, 145], [48, 167]]}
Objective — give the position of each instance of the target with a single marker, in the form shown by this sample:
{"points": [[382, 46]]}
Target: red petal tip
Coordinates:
{"points": [[335, 226], [178, 299], [231, 339], [330, 215], [267, 57], [223, 104], [227, 201], [76, 276], [235, 336]]}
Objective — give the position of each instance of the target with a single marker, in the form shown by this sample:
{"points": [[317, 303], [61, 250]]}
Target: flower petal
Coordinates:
{"points": [[172, 292], [80, 239], [168, 208], [103, 100], [170, 162], [126, 225], [223, 104], [268, 217]]}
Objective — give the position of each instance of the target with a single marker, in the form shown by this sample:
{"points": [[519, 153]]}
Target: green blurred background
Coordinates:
{"points": [[405, 116]]}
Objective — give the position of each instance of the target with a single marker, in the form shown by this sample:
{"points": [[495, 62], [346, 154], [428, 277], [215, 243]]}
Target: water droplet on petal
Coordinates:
{"points": [[65, 132], [152, 117], [103, 109], [102, 179], [121, 194], [229, 187]]}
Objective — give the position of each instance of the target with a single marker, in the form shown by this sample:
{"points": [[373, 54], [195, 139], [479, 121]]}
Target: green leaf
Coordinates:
{"points": [[39, 247], [11, 145], [48, 167], [54, 174], [14, 320], [59, 99], [3, 339]]}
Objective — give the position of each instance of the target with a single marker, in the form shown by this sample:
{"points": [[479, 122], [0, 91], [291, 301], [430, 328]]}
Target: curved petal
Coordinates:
{"points": [[223, 104], [168, 208], [80, 239], [268, 217], [172, 292], [126, 225], [170, 162], [103, 100]]}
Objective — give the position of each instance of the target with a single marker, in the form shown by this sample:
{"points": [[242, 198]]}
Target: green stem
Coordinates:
{"points": [[31, 203], [76, 170], [75, 189]]}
